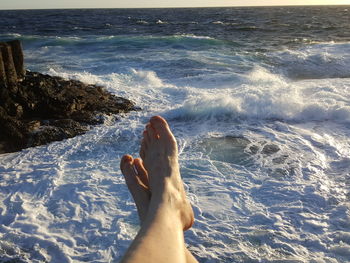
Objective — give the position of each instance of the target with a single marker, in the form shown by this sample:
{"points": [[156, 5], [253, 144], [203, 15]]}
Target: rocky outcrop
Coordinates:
{"points": [[36, 109]]}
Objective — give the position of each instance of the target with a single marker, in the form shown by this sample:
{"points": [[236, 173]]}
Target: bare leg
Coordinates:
{"points": [[160, 238], [136, 178]]}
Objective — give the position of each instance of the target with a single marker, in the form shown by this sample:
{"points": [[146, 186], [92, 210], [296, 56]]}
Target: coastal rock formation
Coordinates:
{"points": [[36, 109]]}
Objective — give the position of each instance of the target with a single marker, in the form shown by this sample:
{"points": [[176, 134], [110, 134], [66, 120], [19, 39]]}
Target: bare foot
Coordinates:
{"points": [[160, 158], [133, 171], [136, 179]]}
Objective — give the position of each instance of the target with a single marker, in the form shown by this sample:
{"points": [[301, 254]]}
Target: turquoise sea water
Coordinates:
{"points": [[258, 99]]}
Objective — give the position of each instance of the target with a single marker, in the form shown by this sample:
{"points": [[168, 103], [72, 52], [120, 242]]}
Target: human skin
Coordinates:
{"points": [[157, 188]]}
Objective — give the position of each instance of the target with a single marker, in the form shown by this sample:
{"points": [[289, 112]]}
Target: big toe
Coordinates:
{"points": [[138, 190], [161, 126], [126, 166], [131, 176]]}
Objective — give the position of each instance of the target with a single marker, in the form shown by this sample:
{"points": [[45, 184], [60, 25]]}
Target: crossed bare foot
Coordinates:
{"points": [[155, 184], [155, 180], [136, 179]]}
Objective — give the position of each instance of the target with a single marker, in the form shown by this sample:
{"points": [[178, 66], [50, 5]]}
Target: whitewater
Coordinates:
{"points": [[263, 130]]}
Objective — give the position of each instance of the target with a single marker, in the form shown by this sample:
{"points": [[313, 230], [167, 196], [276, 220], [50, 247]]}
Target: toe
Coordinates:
{"points": [[134, 173], [125, 162], [151, 132], [140, 194], [127, 168], [141, 172], [158, 122], [145, 138], [143, 149], [161, 126]]}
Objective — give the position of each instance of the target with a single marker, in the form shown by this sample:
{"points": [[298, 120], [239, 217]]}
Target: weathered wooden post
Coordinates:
{"points": [[3, 79], [11, 74], [17, 54]]}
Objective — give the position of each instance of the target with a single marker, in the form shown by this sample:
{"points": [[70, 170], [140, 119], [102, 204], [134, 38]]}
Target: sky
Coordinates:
{"points": [[47, 4]]}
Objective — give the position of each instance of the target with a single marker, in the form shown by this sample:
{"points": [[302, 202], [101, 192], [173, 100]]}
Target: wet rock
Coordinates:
{"points": [[270, 149], [46, 108], [36, 109], [56, 130], [8, 66], [254, 149], [280, 159]]}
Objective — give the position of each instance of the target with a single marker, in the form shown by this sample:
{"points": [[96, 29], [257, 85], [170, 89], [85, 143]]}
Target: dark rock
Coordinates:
{"points": [[47, 108], [280, 159], [9, 66], [3, 79], [18, 58], [254, 149], [36, 109], [55, 97], [270, 149], [56, 130], [12, 136]]}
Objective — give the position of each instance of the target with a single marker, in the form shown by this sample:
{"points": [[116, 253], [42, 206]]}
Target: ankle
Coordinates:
{"points": [[166, 212], [168, 191]]}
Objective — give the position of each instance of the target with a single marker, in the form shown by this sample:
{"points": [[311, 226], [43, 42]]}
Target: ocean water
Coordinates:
{"points": [[258, 99]]}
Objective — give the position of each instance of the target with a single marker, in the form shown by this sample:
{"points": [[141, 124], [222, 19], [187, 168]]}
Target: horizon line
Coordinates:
{"points": [[172, 7]]}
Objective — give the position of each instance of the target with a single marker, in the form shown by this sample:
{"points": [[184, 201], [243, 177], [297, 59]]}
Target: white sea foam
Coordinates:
{"points": [[142, 22], [264, 95], [161, 22], [323, 60], [13, 35], [143, 87], [67, 202], [276, 190], [195, 36], [218, 22]]}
